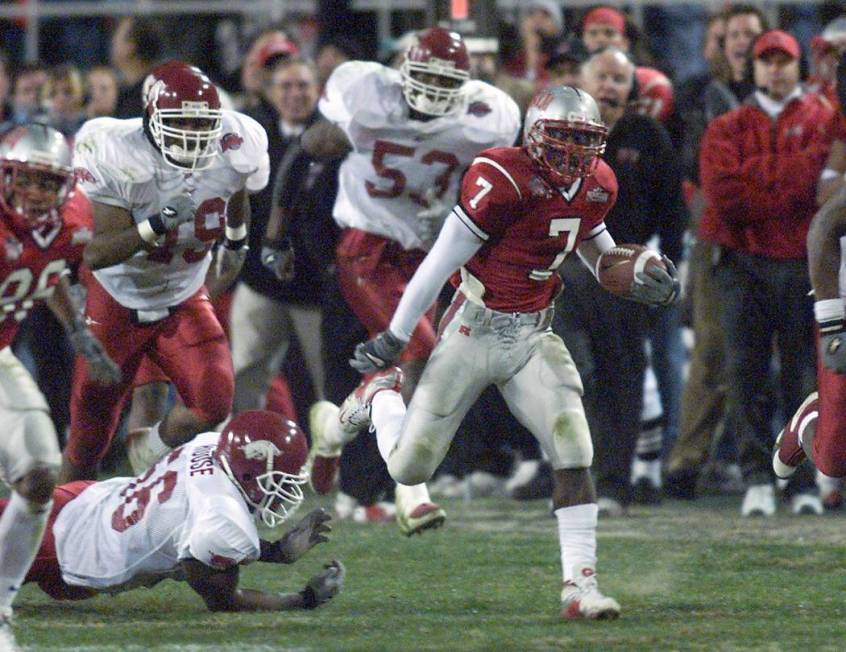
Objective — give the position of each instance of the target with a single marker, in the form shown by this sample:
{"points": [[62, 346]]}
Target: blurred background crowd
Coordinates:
{"points": [[681, 400]]}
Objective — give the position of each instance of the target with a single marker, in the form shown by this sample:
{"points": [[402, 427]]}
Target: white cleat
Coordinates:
{"points": [[7, 637], [141, 457], [415, 514], [759, 501], [581, 598], [806, 504], [355, 410]]}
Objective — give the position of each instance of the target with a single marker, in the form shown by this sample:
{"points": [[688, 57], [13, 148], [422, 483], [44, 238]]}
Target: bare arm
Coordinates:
{"points": [[238, 212], [219, 590], [827, 188], [115, 237], [232, 252], [827, 227]]}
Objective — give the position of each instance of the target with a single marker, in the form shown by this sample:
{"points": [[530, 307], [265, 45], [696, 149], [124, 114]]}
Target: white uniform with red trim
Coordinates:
{"points": [[383, 182], [129, 532], [117, 165]]}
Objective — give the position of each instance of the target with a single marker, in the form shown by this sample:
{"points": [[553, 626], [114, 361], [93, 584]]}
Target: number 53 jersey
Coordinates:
{"points": [[399, 166], [117, 165], [128, 532]]}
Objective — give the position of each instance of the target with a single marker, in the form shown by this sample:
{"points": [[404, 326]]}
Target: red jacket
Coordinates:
{"points": [[759, 176]]}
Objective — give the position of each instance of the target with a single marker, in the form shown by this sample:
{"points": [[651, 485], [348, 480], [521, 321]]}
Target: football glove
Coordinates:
{"points": [[324, 586], [278, 258], [176, 210], [101, 367], [382, 351], [658, 287], [310, 531]]}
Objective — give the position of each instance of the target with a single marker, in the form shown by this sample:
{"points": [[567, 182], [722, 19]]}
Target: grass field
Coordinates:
{"points": [[688, 577]]}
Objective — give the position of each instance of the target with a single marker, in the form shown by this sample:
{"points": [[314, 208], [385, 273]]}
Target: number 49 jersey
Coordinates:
{"points": [[32, 262], [399, 165], [528, 227], [128, 532], [116, 165]]}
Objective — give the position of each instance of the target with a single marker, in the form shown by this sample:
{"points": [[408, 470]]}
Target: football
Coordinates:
{"points": [[617, 267]]}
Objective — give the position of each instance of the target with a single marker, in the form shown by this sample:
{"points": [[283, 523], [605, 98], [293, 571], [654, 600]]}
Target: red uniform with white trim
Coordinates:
{"points": [[528, 227], [154, 303]]}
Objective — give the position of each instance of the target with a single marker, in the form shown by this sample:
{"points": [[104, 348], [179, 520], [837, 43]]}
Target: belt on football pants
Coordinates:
{"points": [[473, 312], [147, 317]]}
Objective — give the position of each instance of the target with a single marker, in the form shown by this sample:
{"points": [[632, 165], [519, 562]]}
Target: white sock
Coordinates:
{"points": [[21, 530], [577, 537], [387, 413], [155, 443], [410, 496]]}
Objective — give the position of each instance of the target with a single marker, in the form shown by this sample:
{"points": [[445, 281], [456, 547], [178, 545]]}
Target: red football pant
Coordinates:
{"points": [[45, 569], [189, 346], [373, 273], [829, 447]]}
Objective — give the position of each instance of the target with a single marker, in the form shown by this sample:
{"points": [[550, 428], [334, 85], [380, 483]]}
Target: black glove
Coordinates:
{"points": [[380, 352], [324, 586], [278, 257], [833, 346], [657, 287], [100, 366], [176, 210], [310, 531]]}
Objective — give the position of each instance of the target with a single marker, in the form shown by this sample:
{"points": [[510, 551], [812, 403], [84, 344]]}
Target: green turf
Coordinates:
{"points": [[688, 578]]}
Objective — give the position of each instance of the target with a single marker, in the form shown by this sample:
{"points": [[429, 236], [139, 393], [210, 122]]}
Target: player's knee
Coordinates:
{"points": [[408, 472], [571, 441], [37, 485]]}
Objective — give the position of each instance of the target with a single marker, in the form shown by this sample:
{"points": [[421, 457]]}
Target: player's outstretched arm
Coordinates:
{"points": [[219, 589], [311, 530]]}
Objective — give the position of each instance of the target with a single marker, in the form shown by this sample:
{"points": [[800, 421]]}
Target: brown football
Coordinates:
{"points": [[617, 266]]}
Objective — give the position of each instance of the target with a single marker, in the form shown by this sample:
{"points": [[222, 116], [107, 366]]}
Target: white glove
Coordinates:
{"points": [[657, 287], [431, 219]]}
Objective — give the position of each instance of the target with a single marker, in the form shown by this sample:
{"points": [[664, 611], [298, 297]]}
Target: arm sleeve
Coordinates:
{"points": [[591, 249], [455, 245]]}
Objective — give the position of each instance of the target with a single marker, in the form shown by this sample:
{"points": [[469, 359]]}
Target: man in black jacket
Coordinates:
{"points": [[606, 334]]}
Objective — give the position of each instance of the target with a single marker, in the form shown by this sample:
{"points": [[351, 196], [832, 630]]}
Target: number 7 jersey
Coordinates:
{"points": [[528, 227], [398, 166]]}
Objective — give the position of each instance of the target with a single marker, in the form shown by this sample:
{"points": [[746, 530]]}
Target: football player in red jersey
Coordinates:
{"points": [[521, 211], [164, 188], [44, 225], [209, 507]]}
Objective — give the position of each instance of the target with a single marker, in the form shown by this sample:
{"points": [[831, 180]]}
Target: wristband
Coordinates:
{"points": [[148, 232], [829, 314], [309, 598], [236, 233]]}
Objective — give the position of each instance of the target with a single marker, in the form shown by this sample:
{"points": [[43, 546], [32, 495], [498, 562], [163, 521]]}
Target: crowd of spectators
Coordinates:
{"points": [[723, 165]]}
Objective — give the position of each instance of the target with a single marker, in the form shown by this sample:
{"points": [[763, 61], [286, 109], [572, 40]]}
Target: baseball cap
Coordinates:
{"points": [[568, 49], [607, 16], [776, 39], [279, 45]]}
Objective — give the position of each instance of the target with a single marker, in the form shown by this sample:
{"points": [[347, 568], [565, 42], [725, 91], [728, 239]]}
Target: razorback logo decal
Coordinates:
{"points": [[231, 141]]}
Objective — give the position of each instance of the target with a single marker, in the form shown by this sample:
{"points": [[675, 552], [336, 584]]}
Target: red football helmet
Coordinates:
{"points": [[434, 70], [264, 454], [564, 134], [37, 177], [182, 115]]}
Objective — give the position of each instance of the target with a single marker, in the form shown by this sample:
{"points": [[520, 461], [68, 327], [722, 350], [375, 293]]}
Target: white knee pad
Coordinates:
{"points": [[570, 445], [30, 443]]}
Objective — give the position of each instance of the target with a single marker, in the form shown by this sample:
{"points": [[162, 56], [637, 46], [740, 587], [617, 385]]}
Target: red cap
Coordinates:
{"points": [[278, 45], [776, 39], [607, 16]]}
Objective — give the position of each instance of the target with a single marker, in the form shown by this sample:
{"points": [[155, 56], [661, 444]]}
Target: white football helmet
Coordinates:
{"points": [[434, 70], [564, 134]]}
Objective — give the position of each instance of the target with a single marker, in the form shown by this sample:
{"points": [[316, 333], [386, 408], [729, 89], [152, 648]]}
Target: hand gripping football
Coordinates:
{"points": [[617, 267]]}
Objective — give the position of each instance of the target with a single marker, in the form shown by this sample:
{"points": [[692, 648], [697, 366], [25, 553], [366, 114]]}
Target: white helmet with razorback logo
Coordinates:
{"points": [[564, 134], [264, 454], [434, 70], [182, 117], [36, 176]]}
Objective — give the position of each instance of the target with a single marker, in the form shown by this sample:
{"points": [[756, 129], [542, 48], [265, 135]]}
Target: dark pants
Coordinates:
{"points": [[765, 308], [606, 336]]}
